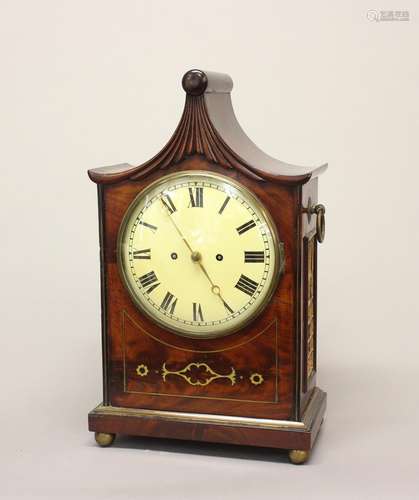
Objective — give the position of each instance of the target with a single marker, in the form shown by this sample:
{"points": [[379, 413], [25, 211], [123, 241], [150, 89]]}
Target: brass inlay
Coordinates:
{"points": [[256, 378], [142, 370], [190, 396], [209, 374]]}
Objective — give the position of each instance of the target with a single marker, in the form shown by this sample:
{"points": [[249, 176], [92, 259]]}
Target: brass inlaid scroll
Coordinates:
{"points": [[205, 371]]}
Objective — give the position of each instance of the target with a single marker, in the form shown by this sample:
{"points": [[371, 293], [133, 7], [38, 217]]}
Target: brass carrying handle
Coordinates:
{"points": [[319, 210]]}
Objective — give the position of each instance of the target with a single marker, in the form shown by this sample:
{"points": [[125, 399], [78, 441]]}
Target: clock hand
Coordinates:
{"points": [[195, 256], [177, 229], [215, 289]]}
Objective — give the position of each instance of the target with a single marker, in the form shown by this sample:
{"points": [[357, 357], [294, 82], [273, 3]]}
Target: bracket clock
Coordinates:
{"points": [[208, 276]]}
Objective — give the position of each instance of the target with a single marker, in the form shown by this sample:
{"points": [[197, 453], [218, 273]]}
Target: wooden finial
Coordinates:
{"points": [[194, 82]]}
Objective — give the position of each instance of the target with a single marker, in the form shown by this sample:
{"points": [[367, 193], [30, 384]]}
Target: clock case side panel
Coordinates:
{"points": [[103, 294], [308, 296], [286, 215]]}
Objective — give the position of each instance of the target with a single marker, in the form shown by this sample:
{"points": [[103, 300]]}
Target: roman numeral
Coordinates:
{"points": [[197, 312], [168, 302], [149, 280], [246, 226], [168, 203], [146, 224], [254, 256], [142, 254], [224, 205], [197, 199], [246, 285], [229, 309]]}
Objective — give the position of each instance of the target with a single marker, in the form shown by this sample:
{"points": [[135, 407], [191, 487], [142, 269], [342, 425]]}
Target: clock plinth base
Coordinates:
{"points": [[296, 436]]}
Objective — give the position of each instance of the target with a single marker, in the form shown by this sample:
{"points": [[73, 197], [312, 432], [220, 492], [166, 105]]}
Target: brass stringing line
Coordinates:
{"points": [[165, 394], [123, 352], [276, 360], [193, 350]]}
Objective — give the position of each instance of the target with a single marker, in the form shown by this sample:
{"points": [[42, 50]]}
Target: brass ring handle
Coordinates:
{"points": [[319, 210]]}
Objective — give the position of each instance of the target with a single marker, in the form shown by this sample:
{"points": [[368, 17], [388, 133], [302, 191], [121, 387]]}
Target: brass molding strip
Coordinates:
{"points": [[199, 418]]}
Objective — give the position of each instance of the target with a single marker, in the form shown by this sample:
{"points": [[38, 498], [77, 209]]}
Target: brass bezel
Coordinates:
{"points": [[278, 246]]}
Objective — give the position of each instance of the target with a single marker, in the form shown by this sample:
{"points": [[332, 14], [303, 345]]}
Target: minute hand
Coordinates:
{"points": [[177, 228]]}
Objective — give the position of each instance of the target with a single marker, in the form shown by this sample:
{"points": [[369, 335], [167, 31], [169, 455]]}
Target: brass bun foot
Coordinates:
{"points": [[104, 439], [298, 456]]}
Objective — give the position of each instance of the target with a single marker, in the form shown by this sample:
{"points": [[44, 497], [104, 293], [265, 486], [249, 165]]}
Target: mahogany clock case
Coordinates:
{"points": [[256, 386]]}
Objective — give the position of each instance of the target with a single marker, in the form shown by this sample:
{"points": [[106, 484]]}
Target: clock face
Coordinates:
{"points": [[199, 254]]}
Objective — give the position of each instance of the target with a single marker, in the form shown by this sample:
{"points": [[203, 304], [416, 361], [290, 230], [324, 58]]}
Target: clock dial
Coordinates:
{"points": [[199, 254]]}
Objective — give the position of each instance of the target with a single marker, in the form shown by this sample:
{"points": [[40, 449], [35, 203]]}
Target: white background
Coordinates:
{"points": [[91, 83]]}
